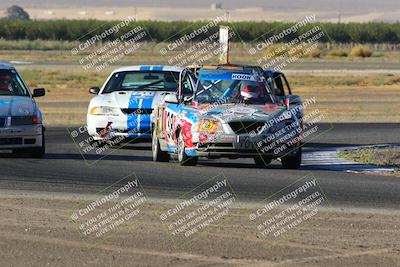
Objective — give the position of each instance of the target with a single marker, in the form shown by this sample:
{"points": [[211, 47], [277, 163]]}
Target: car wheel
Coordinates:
{"points": [[292, 161], [158, 154], [184, 159], [262, 161]]}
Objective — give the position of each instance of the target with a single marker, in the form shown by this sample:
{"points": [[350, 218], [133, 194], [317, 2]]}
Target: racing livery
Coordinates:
{"points": [[226, 111], [21, 127], [123, 106]]}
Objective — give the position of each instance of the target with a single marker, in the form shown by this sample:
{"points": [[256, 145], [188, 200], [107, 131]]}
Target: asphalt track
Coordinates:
{"points": [[64, 170]]}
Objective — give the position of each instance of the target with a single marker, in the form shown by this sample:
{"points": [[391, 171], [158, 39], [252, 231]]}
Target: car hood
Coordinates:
{"points": [[123, 99], [16, 106], [234, 112]]}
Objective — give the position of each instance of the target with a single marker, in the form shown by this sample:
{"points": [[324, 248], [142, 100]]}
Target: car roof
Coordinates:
{"points": [[149, 68], [226, 66], [6, 66], [243, 67]]}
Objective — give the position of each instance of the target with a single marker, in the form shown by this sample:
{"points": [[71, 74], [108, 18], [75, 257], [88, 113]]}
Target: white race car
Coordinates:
{"points": [[123, 106], [21, 128]]}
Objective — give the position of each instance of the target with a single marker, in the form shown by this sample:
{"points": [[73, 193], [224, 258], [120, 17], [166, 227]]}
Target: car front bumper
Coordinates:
{"points": [[22, 136], [241, 146], [119, 126]]}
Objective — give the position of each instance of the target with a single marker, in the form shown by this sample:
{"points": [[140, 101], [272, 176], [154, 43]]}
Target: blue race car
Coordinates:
{"points": [[226, 111]]}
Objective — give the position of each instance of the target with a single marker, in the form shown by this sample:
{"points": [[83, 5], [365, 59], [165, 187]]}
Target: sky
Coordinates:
{"points": [[229, 4]]}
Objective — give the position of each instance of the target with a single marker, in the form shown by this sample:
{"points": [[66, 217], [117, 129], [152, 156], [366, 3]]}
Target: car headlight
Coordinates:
{"points": [[208, 126], [103, 110]]}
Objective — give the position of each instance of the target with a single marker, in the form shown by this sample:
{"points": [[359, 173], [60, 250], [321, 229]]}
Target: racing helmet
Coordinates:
{"points": [[251, 90], [4, 81]]}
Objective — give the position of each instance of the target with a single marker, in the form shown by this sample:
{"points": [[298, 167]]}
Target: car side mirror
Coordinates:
{"points": [[171, 98], [94, 90], [39, 92]]}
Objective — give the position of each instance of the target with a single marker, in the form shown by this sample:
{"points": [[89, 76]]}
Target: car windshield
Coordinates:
{"points": [[11, 84], [227, 86], [143, 81]]}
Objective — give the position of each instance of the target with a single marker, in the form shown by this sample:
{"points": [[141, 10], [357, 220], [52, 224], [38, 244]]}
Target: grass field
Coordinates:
{"points": [[379, 156], [61, 50], [388, 156]]}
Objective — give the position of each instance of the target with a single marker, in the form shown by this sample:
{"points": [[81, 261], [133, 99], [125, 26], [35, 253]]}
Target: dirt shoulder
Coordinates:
{"points": [[39, 231]]}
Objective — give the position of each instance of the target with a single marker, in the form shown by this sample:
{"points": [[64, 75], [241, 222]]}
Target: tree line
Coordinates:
{"points": [[159, 31]]}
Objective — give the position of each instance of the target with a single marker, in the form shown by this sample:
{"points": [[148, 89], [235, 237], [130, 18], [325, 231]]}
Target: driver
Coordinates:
{"points": [[170, 82], [252, 93]]}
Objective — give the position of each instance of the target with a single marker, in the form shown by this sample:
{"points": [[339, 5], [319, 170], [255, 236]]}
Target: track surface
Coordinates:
{"points": [[64, 170]]}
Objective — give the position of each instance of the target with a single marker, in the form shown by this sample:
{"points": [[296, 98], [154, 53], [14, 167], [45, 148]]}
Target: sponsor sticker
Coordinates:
{"points": [[245, 77]]}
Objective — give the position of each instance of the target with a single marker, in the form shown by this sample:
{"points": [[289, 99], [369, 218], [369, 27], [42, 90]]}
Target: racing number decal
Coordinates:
{"points": [[246, 143]]}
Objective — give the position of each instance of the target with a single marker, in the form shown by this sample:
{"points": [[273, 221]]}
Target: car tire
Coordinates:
{"points": [[158, 154], [262, 161], [35, 152], [292, 161], [183, 159]]}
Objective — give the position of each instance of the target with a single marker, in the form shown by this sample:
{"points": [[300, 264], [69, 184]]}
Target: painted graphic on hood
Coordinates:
{"points": [[231, 112]]}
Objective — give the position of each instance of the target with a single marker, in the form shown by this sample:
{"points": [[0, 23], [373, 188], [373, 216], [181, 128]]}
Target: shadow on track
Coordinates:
{"points": [[72, 156]]}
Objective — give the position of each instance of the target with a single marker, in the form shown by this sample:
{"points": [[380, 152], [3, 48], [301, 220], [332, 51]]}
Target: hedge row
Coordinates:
{"points": [[71, 30]]}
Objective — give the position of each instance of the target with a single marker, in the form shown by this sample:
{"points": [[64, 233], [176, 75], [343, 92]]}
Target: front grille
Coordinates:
{"points": [[137, 111], [3, 122], [10, 141], [247, 127], [22, 120], [207, 146]]}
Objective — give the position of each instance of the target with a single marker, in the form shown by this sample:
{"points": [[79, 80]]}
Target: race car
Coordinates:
{"points": [[21, 126], [226, 111], [123, 106]]}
